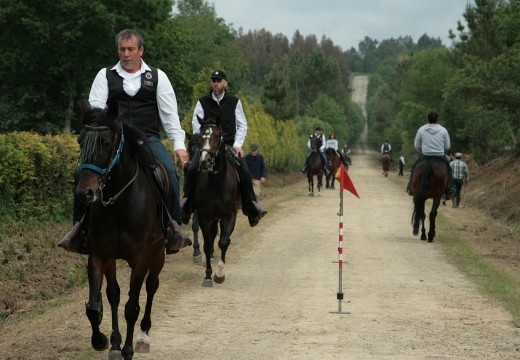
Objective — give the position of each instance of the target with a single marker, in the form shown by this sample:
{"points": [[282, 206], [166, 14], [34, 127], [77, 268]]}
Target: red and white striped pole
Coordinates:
{"points": [[340, 255]]}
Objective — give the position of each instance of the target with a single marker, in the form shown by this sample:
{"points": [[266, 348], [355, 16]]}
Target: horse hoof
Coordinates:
{"points": [[219, 280], [100, 342], [142, 347], [430, 240], [197, 259], [207, 283], [423, 237], [115, 355]]}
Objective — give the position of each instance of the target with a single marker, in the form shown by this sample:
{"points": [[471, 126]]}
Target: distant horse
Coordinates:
{"points": [[193, 147], [124, 222], [386, 159], [217, 196], [333, 163], [315, 166], [430, 178]]}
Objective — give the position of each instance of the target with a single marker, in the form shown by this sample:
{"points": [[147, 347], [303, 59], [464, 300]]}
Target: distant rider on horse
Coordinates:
{"points": [[433, 140], [319, 139], [332, 143]]}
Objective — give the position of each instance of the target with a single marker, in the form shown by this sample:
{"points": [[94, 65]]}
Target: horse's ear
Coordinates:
{"points": [[201, 121], [113, 109]]}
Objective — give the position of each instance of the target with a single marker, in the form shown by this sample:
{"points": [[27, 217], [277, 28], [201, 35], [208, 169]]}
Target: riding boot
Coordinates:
{"points": [[304, 168], [175, 238], [250, 207], [324, 163], [75, 240]]}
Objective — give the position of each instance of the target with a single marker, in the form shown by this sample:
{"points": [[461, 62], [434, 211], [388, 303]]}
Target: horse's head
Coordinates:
{"points": [[101, 142], [210, 140], [315, 143]]}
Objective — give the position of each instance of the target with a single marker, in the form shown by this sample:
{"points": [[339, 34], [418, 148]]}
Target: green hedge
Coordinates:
{"points": [[37, 171], [36, 175]]}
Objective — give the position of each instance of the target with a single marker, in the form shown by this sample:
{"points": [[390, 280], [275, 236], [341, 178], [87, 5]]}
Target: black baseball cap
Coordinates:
{"points": [[219, 74]]}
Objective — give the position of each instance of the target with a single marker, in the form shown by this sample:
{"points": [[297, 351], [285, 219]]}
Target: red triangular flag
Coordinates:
{"points": [[344, 181]]}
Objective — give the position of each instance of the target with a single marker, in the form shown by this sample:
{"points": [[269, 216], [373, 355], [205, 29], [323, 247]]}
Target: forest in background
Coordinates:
{"points": [[52, 51]]}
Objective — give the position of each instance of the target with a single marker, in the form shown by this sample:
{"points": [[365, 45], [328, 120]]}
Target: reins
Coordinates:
{"points": [[105, 172]]}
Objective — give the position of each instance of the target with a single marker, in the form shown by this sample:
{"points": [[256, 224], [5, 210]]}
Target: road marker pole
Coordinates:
{"points": [[340, 257]]}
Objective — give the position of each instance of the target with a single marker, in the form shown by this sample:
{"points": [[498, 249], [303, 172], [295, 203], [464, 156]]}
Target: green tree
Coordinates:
{"points": [[275, 93]]}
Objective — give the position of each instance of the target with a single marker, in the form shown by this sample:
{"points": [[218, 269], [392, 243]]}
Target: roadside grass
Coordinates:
{"points": [[497, 282]]}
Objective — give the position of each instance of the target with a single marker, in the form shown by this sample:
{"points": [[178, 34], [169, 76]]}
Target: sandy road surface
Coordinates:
{"points": [[407, 300]]}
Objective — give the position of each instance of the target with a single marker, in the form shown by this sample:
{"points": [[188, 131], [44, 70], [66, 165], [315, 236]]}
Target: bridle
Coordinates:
{"points": [[105, 173], [205, 136]]}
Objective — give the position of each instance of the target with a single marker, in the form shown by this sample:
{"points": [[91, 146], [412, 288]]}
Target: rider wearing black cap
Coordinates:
{"points": [[219, 102]]}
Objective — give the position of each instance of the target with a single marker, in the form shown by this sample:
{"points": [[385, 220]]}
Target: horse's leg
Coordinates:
{"points": [[113, 296], [433, 215], [226, 229], [94, 306], [209, 233], [132, 308], [197, 256], [423, 228], [142, 344]]}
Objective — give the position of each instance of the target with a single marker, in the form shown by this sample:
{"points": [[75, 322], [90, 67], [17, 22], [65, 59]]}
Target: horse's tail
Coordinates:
{"points": [[420, 195]]}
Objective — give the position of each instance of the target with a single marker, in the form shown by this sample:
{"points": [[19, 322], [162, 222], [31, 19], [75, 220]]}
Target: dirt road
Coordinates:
{"points": [[406, 299]]}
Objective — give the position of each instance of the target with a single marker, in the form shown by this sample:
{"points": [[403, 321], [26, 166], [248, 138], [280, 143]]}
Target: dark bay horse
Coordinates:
{"points": [[333, 163], [193, 147], [217, 196], [429, 181], [124, 221], [386, 159], [315, 166]]}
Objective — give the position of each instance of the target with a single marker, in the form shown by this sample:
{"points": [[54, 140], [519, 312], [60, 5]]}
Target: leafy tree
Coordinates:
{"points": [[275, 93]]}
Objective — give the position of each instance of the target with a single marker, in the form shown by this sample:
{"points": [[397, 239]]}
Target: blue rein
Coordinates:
{"points": [[104, 172]]}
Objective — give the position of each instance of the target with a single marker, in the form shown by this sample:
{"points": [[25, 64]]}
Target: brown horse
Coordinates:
{"points": [[386, 159], [333, 163], [124, 222], [315, 166], [430, 178], [217, 196]]}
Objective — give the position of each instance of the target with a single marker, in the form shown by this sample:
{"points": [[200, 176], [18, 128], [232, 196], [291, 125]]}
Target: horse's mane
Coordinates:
{"points": [[135, 139]]}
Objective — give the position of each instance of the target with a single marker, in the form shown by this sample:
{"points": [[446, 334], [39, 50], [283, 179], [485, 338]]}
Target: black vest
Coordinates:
{"points": [[140, 110], [226, 111]]}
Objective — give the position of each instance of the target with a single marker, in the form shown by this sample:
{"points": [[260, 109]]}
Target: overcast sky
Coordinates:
{"points": [[345, 22]]}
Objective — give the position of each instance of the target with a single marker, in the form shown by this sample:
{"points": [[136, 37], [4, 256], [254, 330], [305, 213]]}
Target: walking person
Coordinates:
{"points": [[147, 100], [220, 103], [460, 177], [401, 164], [255, 164]]}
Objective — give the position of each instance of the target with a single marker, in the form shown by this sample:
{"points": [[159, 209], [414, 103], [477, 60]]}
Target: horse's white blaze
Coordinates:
{"points": [[205, 146]]}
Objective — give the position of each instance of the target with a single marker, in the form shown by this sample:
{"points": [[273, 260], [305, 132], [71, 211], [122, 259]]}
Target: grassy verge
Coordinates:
{"points": [[501, 284]]}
